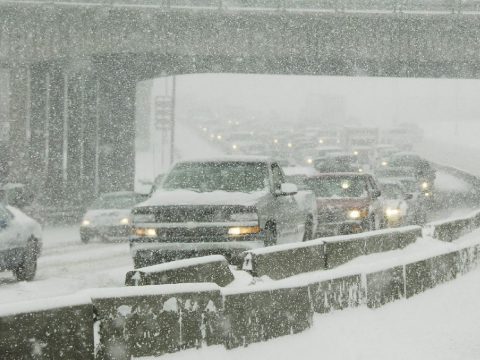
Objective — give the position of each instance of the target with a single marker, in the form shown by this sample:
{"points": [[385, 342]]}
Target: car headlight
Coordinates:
{"points": [[425, 185], [243, 230], [125, 221], [355, 214], [427, 194], [86, 222], [143, 218], [251, 216], [392, 212], [384, 163]]}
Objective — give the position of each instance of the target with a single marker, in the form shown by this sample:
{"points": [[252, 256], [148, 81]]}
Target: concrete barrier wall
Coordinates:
{"points": [[154, 320], [453, 229], [206, 269], [253, 315], [385, 286], [281, 261], [336, 294], [55, 328], [140, 321]]}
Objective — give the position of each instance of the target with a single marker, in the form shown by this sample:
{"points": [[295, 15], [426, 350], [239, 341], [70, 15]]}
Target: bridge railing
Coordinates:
{"points": [[444, 6]]}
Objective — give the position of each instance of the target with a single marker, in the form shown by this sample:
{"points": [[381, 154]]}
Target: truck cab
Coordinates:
{"points": [[220, 206]]}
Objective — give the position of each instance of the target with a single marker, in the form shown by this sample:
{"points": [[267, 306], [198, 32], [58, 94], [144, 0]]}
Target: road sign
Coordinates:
{"points": [[163, 112]]}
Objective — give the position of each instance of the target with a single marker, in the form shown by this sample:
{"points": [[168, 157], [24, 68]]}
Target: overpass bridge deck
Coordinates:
{"points": [[426, 7]]}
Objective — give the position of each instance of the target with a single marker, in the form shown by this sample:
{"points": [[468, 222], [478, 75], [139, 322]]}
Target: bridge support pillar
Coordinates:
{"points": [[19, 122], [117, 90]]}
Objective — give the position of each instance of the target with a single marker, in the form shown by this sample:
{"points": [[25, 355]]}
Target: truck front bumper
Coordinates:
{"points": [[156, 250]]}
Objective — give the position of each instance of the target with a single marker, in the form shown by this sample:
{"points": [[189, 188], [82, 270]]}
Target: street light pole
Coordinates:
{"points": [[172, 120]]}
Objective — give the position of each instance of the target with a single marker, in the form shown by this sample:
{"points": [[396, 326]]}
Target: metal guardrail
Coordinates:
{"points": [[387, 6]]}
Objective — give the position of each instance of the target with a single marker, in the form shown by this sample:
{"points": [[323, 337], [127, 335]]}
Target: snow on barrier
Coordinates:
{"points": [[450, 230], [281, 261], [210, 269], [55, 328], [154, 320]]}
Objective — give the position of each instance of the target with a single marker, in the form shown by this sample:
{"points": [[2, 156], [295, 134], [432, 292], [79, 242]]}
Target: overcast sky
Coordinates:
{"points": [[368, 100]]}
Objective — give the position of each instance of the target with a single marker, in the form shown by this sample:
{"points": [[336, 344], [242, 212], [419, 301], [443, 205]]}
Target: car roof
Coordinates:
{"points": [[341, 174], [119, 193], [230, 158]]}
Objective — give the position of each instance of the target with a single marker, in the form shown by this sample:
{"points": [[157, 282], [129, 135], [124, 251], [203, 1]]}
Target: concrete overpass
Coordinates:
{"points": [[73, 67]]}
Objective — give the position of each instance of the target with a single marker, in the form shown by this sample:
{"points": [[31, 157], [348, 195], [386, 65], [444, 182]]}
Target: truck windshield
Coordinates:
{"points": [[338, 187], [212, 176]]}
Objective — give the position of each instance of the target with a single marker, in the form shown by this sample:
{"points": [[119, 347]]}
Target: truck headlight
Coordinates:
{"points": [[143, 218], [251, 216], [243, 230], [125, 221], [146, 232], [86, 222], [425, 185], [392, 212]]}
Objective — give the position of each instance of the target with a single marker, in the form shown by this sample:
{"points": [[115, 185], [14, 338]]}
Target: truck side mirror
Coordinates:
{"points": [[287, 189]]}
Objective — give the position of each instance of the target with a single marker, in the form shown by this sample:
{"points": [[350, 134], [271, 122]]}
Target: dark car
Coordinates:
{"points": [[347, 203]]}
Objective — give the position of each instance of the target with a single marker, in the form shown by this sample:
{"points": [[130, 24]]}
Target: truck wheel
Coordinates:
{"points": [[85, 238], [270, 235], [371, 223], [27, 269], [308, 234]]}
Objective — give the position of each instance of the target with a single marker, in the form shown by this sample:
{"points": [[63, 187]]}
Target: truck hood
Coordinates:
{"points": [[188, 197], [342, 203]]}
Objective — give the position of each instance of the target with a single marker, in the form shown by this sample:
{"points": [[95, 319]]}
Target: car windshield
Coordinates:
{"points": [[338, 187], [116, 201], [211, 176]]}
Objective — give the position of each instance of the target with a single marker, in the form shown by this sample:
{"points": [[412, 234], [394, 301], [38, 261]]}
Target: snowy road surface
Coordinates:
{"points": [[66, 266]]}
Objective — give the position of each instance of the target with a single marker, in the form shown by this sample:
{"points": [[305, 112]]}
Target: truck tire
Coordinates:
{"points": [[308, 234], [270, 234], [85, 238], [27, 269]]}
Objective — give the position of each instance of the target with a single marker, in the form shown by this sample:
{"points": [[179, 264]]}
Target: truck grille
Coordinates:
{"points": [[183, 214]]}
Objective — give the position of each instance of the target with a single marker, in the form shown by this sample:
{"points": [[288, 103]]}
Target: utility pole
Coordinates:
{"points": [[172, 120]]}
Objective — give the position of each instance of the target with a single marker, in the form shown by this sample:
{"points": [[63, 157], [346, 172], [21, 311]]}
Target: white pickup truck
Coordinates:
{"points": [[20, 243], [220, 206]]}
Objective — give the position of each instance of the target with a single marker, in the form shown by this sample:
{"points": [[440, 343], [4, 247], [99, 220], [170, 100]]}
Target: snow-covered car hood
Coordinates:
{"points": [[28, 224], [107, 216], [188, 197]]}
